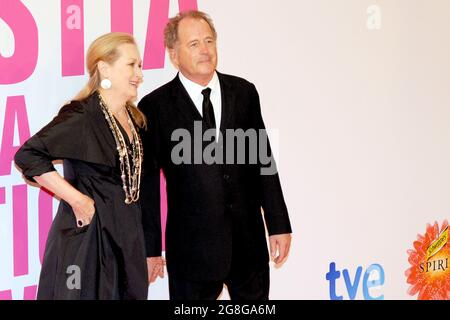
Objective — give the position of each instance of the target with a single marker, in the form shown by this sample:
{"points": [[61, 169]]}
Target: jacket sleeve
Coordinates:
{"points": [[59, 139], [272, 199], [150, 185]]}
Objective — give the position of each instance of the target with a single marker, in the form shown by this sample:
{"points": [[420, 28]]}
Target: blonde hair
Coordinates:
{"points": [[104, 49], [171, 29]]}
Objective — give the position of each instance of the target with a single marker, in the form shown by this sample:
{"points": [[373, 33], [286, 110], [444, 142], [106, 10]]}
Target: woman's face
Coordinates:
{"points": [[126, 72]]}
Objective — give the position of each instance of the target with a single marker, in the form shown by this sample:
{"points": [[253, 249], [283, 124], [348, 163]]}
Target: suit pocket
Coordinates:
{"points": [[70, 263], [73, 232]]}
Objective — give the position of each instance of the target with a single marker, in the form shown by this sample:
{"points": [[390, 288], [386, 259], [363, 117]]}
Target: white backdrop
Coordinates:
{"points": [[358, 93]]}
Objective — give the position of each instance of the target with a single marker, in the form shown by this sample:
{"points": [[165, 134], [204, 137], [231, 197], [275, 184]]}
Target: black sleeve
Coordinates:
{"points": [[273, 204], [59, 139], [150, 186]]}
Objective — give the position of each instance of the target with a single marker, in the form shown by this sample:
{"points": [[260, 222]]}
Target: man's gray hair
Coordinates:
{"points": [[171, 29]]}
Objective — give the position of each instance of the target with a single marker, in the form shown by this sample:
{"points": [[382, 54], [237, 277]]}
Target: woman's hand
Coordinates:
{"points": [[82, 205], [84, 210]]}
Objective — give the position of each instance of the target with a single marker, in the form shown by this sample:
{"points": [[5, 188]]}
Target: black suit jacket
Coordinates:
{"points": [[214, 210]]}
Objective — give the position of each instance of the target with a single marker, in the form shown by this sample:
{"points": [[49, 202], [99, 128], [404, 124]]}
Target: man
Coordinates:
{"points": [[215, 231]]}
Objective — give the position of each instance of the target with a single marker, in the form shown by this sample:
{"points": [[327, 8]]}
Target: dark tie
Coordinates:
{"points": [[208, 110]]}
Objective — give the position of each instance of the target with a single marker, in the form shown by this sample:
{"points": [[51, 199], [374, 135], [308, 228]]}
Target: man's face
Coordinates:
{"points": [[195, 53]]}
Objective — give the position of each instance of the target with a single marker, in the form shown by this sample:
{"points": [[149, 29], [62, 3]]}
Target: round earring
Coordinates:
{"points": [[106, 84]]}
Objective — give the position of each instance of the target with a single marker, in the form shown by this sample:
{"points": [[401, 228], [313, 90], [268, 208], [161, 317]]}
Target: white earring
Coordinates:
{"points": [[106, 84]]}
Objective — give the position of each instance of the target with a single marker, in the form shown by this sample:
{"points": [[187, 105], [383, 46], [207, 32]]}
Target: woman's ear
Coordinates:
{"points": [[103, 69]]}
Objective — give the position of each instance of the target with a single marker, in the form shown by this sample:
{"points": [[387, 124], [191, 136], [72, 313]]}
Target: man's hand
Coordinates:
{"points": [[279, 243], [155, 266]]}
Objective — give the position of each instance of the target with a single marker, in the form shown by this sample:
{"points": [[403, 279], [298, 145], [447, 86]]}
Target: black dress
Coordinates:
{"points": [[108, 254]]}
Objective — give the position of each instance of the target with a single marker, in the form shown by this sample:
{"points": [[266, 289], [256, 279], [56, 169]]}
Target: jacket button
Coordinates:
{"points": [[226, 176]]}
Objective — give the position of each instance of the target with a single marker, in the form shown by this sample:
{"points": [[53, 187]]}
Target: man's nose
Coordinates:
{"points": [[204, 48]]}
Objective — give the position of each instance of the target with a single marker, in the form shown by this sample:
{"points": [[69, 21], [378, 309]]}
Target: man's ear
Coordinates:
{"points": [[173, 54], [103, 69]]}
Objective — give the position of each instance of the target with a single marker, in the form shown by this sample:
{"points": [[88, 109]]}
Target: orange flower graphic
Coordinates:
{"points": [[429, 274]]}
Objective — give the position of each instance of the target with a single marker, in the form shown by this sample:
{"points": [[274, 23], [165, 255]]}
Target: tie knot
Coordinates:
{"points": [[206, 93]]}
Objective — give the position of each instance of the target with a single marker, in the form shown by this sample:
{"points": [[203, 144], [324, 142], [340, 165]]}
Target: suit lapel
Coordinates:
{"points": [[228, 102], [183, 101], [186, 107]]}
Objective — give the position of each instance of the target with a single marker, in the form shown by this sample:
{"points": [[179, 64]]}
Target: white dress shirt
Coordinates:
{"points": [[195, 92]]}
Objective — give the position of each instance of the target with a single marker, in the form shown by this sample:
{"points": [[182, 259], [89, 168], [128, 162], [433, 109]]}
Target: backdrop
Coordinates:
{"points": [[356, 96]]}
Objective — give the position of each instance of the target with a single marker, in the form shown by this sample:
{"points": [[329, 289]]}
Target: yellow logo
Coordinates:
{"points": [[438, 244]]}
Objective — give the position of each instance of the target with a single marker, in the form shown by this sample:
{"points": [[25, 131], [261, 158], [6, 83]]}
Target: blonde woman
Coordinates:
{"points": [[95, 248]]}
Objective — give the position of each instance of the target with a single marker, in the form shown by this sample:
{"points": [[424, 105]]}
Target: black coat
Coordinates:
{"points": [[214, 210], [110, 250]]}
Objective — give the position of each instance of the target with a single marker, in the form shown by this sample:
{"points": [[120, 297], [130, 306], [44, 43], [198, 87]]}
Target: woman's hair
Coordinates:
{"points": [[104, 49]]}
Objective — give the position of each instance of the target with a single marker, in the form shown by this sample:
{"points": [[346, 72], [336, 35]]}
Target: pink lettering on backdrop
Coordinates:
{"points": [[45, 219], [6, 295], [185, 5], [2, 195], [29, 293], [163, 201], [122, 16], [72, 37], [20, 230], [22, 63], [154, 53], [15, 107]]}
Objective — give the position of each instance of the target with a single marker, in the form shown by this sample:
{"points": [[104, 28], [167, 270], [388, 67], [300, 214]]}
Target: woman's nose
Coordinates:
{"points": [[140, 74]]}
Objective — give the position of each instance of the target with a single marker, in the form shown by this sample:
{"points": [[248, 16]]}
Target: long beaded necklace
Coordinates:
{"points": [[131, 181]]}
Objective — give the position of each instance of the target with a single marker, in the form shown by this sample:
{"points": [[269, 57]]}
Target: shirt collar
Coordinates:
{"points": [[194, 89]]}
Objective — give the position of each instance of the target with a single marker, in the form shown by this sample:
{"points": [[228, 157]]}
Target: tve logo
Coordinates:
{"points": [[373, 278]]}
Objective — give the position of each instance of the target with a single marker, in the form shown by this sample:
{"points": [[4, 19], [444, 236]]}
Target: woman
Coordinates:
{"points": [[95, 248]]}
